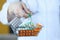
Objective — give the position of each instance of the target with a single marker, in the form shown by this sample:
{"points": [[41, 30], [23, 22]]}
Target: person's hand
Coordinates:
{"points": [[26, 10], [17, 9]]}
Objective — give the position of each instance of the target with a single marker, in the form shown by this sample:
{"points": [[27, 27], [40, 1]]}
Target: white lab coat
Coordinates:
{"points": [[48, 16]]}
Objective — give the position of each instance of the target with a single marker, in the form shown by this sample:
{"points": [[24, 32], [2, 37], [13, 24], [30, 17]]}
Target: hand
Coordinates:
{"points": [[17, 9], [26, 10]]}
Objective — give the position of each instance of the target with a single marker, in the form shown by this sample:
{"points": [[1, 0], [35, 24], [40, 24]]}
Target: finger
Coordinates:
{"points": [[25, 15], [25, 8]]}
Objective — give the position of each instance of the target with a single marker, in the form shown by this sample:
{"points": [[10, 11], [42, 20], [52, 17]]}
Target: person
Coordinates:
{"points": [[47, 14], [14, 7], [11, 9], [3, 12], [17, 9]]}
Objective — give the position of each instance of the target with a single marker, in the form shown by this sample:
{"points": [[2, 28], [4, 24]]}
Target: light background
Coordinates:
{"points": [[49, 17]]}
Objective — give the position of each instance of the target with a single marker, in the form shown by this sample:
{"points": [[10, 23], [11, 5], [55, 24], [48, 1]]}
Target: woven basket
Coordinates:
{"points": [[33, 32]]}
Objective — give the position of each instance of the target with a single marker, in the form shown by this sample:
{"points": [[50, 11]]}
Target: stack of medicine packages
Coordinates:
{"points": [[26, 25]]}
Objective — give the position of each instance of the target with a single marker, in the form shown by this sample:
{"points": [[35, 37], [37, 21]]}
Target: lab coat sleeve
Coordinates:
{"points": [[3, 14]]}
